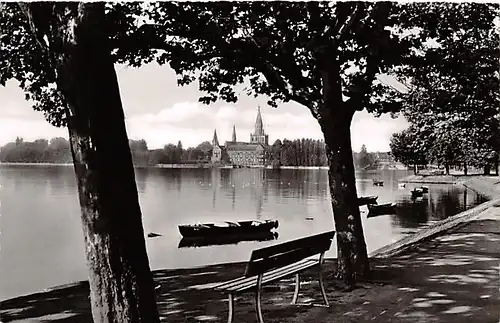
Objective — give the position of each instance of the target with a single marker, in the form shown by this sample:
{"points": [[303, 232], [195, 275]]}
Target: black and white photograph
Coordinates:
{"points": [[249, 161]]}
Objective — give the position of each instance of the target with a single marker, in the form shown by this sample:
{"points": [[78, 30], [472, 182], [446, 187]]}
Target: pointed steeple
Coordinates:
{"points": [[259, 129], [234, 133], [215, 141]]}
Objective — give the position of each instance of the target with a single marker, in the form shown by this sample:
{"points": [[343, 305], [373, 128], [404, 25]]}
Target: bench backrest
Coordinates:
{"points": [[287, 253]]}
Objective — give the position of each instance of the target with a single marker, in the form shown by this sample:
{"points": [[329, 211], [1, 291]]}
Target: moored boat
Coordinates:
{"points": [[366, 200], [227, 227], [381, 209], [376, 182], [425, 189], [418, 192]]}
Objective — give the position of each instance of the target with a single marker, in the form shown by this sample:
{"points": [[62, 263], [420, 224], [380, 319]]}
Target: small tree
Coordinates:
{"points": [[365, 159], [407, 150]]}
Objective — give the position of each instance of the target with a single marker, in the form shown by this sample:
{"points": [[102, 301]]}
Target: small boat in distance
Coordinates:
{"points": [[376, 182], [401, 185], [419, 191], [365, 200], [381, 209], [227, 227], [416, 193], [425, 189]]}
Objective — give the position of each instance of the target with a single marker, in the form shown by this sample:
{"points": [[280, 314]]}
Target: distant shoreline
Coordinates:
{"points": [[34, 164], [187, 166], [444, 179]]}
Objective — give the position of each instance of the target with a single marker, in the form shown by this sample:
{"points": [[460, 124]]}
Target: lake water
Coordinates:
{"points": [[42, 243]]}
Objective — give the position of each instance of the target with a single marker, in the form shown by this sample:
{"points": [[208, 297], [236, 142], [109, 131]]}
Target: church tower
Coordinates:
{"points": [[215, 141], [216, 149], [234, 134], [259, 137]]}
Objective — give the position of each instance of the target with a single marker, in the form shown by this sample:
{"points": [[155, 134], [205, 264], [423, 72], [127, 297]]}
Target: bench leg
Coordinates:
{"points": [[297, 287], [231, 308], [321, 284], [258, 308]]}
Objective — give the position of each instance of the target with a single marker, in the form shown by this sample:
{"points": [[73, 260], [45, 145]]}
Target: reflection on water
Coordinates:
{"points": [[440, 203], [42, 242], [227, 239]]}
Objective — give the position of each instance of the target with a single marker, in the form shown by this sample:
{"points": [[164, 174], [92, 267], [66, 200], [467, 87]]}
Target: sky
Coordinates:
{"points": [[159, 111]]}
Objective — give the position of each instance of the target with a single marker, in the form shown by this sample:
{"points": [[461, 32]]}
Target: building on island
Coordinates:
{"points": [[243, 153]]}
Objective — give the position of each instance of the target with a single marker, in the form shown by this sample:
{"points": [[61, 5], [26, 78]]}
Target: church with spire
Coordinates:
{"points": [[242, 153]]}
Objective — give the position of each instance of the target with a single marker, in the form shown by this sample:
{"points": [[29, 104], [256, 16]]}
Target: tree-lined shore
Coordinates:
{"points": [[297, 152]]}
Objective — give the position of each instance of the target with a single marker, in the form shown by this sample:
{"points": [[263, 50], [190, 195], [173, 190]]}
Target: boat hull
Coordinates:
{"points": [[375, 210], [242, 227], [366, 200]]}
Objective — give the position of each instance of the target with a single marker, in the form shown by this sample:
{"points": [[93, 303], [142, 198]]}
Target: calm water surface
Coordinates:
{"points": [[42, 243]]}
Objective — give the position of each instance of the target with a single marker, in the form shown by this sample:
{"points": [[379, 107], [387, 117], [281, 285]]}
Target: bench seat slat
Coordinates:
{"points": [[277, 256], [250, 282], [244, 279], [277, 276]]}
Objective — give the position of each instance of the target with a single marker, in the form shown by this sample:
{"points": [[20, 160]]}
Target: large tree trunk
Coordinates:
{"points": [[487, 169], [465, 169], [121, 285], [447, 168], [335, 121], [352, 254]]}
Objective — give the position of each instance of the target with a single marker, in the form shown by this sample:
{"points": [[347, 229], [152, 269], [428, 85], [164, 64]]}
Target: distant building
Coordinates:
{"points": [[384, 157], [243, 153]]}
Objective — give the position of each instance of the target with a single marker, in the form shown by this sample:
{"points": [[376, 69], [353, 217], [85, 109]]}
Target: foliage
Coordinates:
{"points": [[298, 152], [453, 99], [273, 49], [365, 160], [38, 151], [407, 149], [23, 61]]}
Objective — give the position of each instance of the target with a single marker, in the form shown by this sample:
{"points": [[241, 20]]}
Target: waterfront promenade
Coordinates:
{"points": [[448, 273]]}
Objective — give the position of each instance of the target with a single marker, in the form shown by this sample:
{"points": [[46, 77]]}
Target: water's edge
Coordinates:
{"points": [[489, 191]]}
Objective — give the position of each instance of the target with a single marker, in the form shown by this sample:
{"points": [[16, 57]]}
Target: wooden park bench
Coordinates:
{"points": [[276, 262]]}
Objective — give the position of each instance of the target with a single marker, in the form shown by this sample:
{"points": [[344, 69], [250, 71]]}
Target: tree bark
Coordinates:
{"points": [[335, 121], [465, 169], [487, 169], [447, 168], [415, 169], [121, 285]]}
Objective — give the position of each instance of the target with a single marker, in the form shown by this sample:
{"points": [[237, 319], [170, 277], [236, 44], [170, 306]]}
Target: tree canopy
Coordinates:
{"points": [[453, 100], [270, 49]]}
